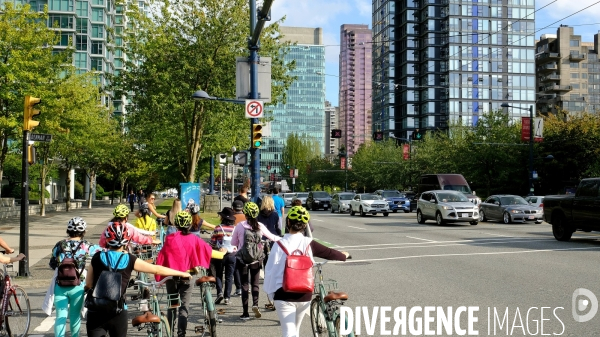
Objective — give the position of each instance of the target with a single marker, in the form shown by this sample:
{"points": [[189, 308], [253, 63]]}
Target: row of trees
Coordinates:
{"points": [[490, 155]]}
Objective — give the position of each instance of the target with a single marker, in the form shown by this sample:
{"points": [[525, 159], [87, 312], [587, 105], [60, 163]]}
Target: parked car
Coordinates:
{"points": [[446, 181], [535, 200], [317, 200], [302, 196], [573, 212], [396, 200], [445, 207], [287, 197], [413, 197], [509, 208], [340, 202], [369, 203]]}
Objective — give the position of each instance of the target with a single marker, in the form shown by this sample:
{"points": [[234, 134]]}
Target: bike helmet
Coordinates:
{"points": [[183, 219], [251, 209], [76, 224], [299, 213], [121, 211], [192, 208], [117, 234]]}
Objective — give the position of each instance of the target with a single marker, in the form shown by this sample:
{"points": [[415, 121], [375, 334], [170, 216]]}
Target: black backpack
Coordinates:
{"points": [[68, 274], [253, 250], [106, 294]]}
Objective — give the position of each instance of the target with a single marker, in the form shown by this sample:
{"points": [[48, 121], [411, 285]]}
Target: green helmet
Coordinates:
{"points": [[251, 209], [299, 213], [121, 211], [183, 219]]}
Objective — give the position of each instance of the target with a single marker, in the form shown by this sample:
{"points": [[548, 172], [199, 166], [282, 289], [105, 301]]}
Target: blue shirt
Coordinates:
{"points": [[279, 204]]}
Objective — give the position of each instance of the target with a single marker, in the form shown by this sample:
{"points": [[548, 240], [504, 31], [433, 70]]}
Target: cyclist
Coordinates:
{"points": [[251, 270], [291, 307], [170, 216], [183, 252], [309, 229], [138, 236], [145, 222], [221, 238], [68, 300], [117, 236]]}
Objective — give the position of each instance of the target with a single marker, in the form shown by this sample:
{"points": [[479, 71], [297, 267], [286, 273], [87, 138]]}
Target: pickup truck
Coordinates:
{"points": [[569, 213]]}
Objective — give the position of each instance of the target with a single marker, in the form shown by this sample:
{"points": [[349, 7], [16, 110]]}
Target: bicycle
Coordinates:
{"points": [[15, 313], [211, 317], [153, 320], [325, 307], [146, 253], [161, 232]]}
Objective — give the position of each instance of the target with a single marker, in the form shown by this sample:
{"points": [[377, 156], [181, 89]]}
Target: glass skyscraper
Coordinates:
{"points": [[453, 61], [304, 111]]}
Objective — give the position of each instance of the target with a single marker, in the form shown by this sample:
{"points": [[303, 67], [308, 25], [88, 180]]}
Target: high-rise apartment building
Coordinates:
{"points": [[355, 86], [568, 73], [331, 122], [451, 61], [304, 111]]}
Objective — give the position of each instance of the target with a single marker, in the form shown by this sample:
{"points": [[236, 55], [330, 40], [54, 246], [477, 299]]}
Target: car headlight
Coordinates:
{"points": [[446, 207], [317, 201], [516, 211]]}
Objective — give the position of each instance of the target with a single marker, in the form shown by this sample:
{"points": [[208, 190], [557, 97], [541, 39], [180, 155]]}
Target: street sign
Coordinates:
{"points": [[343, 163], [254, 108], [538, 129], [240, 158], [40, 137], [406, 151]]}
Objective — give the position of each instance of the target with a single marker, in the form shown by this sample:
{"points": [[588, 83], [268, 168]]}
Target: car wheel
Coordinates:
{"points": [[340, 210], [482, 217], [439, 219], [362, 213], [394, 211], [351, 211], [560, 229], [325, 209], [420, 217], [386, 213], [474, 223], [332, 211], [506, 218]]}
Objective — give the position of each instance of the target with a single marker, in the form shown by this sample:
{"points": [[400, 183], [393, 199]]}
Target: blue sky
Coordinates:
{"points": [[331, 14]]}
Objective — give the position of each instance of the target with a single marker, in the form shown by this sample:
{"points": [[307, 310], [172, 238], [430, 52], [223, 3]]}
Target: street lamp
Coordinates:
{"points": [[506, 105]]}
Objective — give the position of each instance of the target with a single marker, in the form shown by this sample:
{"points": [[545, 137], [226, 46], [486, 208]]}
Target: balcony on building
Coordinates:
{"points": [[546, 57], [550, 78], [548, 67], [558, 88], [576, 57]]}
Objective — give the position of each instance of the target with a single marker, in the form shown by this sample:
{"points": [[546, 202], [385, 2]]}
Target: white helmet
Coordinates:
{"points": [[76, 224]]}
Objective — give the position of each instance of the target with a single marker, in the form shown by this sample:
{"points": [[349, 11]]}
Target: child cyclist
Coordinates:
{"points": [[137, 236]]}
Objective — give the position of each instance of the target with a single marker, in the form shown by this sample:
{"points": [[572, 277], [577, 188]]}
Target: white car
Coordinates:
{"points": [[369, 203], [446, 206]]}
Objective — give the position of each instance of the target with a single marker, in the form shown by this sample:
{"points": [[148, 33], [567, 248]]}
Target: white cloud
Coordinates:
{"points": [[364, 8], [309, 13]]}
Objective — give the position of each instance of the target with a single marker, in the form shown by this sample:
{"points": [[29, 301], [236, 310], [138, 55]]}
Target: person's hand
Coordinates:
{"points": [[348, 256], [156, 242], [10, 251], [223, 250], [20, 257]]}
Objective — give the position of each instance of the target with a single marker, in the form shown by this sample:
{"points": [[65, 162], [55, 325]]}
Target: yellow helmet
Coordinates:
{"points": [[299, 213]]}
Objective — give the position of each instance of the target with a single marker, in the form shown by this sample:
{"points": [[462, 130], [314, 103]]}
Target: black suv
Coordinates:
{"points": [[318, 200]]}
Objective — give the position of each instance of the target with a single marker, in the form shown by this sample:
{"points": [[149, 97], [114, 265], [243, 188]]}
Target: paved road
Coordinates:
{"points": [[397, 262]]}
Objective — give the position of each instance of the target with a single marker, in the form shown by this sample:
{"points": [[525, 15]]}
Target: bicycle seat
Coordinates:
{"points": [[203, 279], [148, 317], [332, 296]]}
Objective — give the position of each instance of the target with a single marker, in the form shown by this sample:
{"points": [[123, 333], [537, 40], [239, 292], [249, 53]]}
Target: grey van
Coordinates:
{"points": [[447, 181]]}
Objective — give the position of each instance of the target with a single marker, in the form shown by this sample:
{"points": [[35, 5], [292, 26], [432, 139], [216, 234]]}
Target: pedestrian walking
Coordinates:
{"points": [[183, 252], [68, 293], [238, 206], [292, 307], [131, 199], [247, 237], [279, 204], [268, 216], [116, 258], [243, 196], [221, 240]]}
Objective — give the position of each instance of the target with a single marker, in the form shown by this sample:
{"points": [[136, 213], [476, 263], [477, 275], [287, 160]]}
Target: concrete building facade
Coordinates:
{"points": [[331, 122]]}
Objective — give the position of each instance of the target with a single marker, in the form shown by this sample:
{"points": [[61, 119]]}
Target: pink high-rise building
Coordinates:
{"points": [[355, 86]]}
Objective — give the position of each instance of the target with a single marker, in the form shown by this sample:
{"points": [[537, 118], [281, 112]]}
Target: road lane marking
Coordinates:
{"points": [[419, 243], [464, 254], [364, 229], [412, 237], [444, 244], [506, 236], [46, 325], [318, 220]]}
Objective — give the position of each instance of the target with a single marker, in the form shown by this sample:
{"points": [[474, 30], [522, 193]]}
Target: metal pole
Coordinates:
{"points": [[221, 188], [212, 175], [232, 181], [24, 225], [531, 150], [253, 59]]}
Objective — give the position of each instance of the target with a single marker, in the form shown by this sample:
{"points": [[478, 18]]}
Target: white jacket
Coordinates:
{"points": [[276, 263]]}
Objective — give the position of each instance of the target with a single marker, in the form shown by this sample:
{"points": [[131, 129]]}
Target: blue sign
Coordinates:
{"points": [[190, 194]]}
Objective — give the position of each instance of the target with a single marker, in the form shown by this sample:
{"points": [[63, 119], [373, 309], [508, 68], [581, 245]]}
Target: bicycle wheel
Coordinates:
{"points": [[337, 328], [164, 327], [210, 318], [317, 319], [212, 323], [18, 313]]}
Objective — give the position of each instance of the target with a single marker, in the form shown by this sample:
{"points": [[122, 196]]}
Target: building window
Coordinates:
{"points": [[82, 26], [61, 5], [574, 75], [81, 42], [60, 21], [574, 43], [98, 15], [574, 65], [82, 8], [97, 64], [97, 47], [81, 60], [98, 31], [64, 40]]}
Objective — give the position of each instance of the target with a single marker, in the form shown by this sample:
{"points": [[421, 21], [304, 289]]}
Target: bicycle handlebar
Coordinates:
{"points": [[154, 283]]}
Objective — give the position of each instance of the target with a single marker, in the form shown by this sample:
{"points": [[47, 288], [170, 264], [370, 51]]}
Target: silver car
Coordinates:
{"points": [[287, 197], [301, 196], [341, 202], [445, 206], [509, 208]]}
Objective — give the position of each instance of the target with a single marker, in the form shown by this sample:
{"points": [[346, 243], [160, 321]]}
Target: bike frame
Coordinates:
{"points": [[155, 307], [329, 318], [205, 290]]}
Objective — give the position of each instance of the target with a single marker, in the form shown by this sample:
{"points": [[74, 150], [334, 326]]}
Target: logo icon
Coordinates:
{"points": [[583, 300]]}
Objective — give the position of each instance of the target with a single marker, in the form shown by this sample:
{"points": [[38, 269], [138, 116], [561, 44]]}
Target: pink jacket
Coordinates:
{"points": [[136, 236], [183, 252], [237, 238]]}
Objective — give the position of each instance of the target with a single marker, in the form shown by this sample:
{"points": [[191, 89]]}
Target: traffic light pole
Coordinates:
{"points": [[24, 225]]}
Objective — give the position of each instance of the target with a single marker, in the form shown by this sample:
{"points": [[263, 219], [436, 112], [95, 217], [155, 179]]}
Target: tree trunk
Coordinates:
{"points": [[68, 182], [3, 152], [112, 194], [123, 190], [92, 195]]}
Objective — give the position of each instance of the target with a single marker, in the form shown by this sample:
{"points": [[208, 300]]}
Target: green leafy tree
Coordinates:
{"points": [[378, 165], [297, 153]]}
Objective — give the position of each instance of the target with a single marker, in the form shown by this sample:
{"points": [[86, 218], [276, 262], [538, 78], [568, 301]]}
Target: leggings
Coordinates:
{"points": [[99, 323], [68, 302], [252, 270]]}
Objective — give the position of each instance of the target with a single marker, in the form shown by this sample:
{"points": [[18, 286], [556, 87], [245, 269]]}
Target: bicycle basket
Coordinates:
{"points": [[173, 301], [329, 285]]}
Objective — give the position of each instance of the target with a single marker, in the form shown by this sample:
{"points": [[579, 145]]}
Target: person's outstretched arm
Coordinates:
{"points": [[6, 247]]}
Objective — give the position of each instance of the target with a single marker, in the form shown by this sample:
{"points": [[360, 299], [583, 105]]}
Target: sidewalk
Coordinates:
{"points": [[45, 232]]}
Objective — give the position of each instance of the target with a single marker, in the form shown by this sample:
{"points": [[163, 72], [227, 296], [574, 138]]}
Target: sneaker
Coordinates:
{"points": [[256, 312], [245, 317], [219, 298], [226, 301], [238, 292]]}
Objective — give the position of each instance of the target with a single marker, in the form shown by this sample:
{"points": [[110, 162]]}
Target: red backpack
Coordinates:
{"points": [[297, 275]]}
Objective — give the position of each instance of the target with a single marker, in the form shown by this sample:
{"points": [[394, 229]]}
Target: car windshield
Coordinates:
{"points": [[392, 194], [461, 188], [320, 195], [346, 196], [370, 197], [452, 197], [288, 195], [301, 195], [513, 201]]}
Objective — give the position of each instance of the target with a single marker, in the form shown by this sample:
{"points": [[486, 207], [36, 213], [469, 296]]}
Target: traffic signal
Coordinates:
{"points": [[257, 136], [29, 112], [378, 135], [418, 134], [336, 133], [222, 158]]}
